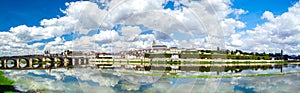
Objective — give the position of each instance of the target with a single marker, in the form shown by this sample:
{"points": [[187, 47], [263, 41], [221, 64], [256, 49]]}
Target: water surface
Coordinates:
{"points": [[247, 79]]}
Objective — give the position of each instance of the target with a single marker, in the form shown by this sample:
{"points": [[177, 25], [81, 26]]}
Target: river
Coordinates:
{"points": [[240, 79]]}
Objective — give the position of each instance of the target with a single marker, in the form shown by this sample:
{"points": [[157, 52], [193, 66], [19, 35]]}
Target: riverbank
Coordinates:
{"points": [[6, 85], [179, 60], [112, 63]]}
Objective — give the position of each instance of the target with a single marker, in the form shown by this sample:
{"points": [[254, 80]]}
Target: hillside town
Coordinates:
{"points": [[175, 53]]}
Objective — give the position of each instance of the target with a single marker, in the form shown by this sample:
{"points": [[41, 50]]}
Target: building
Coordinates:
{"points": [[173, 50], [159, 48]]}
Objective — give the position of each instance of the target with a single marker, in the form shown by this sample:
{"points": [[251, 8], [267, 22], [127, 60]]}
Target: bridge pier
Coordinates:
{"points": [[73, 61], [43, 66], [56, 65], [43, 59], [30, 63], [65, 62], [17, 64], [85, 61], [4, 63], [1, 64], [79, 61], [55, 59]]}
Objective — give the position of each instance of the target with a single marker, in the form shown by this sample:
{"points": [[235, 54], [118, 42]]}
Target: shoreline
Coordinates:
{"points": [[109, 65], [195, 63], [180, 60]]}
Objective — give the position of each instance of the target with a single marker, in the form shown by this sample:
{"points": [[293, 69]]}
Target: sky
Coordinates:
{"points": [[29, 27]]}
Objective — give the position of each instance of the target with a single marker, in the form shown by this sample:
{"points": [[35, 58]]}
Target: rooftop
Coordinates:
{"points": [[159, 46]]}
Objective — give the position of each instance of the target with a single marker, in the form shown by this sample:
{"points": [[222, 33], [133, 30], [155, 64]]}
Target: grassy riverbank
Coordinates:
{"points": [[187, 62], [6, 85]]}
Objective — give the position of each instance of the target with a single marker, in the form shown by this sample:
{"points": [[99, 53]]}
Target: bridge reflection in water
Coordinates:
{"points": [[40, 62]]}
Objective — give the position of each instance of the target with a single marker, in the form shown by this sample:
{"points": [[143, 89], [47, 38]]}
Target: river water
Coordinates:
{"points": [[239, 79]]}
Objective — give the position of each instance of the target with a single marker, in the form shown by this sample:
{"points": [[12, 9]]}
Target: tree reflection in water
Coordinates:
{"points": [[140, 79]]}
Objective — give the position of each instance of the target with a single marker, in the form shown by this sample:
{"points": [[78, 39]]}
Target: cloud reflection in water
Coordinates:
{"points": [[92, 80]]}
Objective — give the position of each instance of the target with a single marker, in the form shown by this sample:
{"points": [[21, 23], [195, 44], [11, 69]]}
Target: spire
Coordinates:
{"points": [[153, 43]]}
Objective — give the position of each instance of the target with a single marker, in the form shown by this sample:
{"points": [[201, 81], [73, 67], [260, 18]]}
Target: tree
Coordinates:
{"points": [[258, 58], [237, 57], [238, 51]]}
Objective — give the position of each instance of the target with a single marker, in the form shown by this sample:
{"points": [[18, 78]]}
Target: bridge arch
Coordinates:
{"points": [[76, 61], [36, 62], [40, 62], [23, 62], [58, 61], [69, 61], [48, 62], [1, 63], [11, 63]]}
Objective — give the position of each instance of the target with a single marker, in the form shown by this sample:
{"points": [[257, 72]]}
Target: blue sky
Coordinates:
{"points": [[256, 8], [29, 12], [15, 13]]}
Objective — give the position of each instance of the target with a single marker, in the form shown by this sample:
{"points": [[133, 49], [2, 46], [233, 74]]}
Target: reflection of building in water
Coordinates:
{"points": [[175, 56], [201, 68]]}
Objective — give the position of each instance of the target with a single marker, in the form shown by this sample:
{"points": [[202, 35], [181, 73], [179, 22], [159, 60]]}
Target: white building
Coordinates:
{"points": [[159, 48], [173, 50]]}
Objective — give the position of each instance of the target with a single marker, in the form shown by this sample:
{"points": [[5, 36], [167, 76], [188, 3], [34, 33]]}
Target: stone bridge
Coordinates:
{"points": [[40, 62]]}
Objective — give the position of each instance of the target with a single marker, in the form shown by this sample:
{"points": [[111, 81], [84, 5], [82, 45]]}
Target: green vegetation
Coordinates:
{"points": [[4, 80], [10, 92], [248, 62], [211, 56], [35, 60], [23, 61], [191, 56], [48, 60], [224, 56], [6, 85], [166, 62], [158, 55], [139, 62], [70, 67], [201, 62], [250, 57]]}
